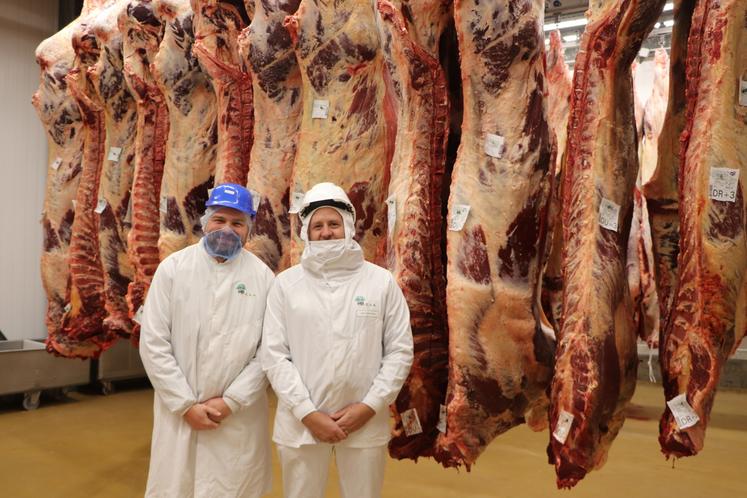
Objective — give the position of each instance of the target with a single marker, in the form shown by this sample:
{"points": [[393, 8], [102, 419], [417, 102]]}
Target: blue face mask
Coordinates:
{"points": [[223, 243]]}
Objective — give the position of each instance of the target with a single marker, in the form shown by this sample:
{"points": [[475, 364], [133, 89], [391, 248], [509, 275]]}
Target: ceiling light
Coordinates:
{"points": [[669, 23], [570, 38], [668, 6], [657, 25]]}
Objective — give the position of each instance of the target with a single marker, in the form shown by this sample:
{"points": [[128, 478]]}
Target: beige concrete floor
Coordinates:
{"points": [[95, 446]]}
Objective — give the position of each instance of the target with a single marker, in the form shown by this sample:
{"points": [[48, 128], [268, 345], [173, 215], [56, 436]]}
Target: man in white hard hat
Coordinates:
{"points": [[336, 348], [201, 327]]}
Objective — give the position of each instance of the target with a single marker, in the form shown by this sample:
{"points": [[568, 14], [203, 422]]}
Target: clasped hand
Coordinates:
{"points": [[337, 426], [207, 415]]}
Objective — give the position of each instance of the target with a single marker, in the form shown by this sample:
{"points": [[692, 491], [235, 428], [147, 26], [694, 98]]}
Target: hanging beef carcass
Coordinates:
{"points": [[500, 361], [596, 360], [415, 222], [558, 102], [347, 126], [83, 333], [120, 119], [266, 49], [709, 313], [653, 120], [190, 154], [142, 31], [661, 191], [217, 24], [62, 123]]}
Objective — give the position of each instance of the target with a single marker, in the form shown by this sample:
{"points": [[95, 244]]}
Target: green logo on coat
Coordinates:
{"points": [[241, 289], [359, 300]]}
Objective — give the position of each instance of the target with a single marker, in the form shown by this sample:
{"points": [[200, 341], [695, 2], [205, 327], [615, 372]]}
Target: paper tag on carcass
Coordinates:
{"points": [[391, 215], [100, 206], [458, 217], [68, 307], [494, 145], [128, 214], [411, 422], [743, 91], [609, 214], [296, 202], [320, 109], [441, 426], [114, 153], [56, 164], [164, 206], [643, 52], [255, 199], [683, 413], [138, 318], [723, 184], [75, 204], [563, 427]]}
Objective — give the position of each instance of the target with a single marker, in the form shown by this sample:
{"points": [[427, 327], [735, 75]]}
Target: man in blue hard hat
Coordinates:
{"points": [[201, 327]]}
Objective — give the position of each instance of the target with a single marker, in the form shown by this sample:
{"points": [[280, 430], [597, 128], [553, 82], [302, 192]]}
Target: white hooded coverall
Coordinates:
{"points": [[201, 327], [336, 332]]}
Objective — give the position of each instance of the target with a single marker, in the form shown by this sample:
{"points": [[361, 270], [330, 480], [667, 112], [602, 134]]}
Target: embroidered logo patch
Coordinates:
{"points": [[241, 289], [360, 300]]}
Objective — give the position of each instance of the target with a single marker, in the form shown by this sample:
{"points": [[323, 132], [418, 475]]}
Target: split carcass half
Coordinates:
{"points": [[500, 360], [348, 120], [596, 360], [266, 49], [191, 146], [415, 222], [709, 312]]}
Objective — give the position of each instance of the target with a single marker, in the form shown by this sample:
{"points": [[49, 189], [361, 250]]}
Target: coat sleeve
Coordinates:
{"points": [[276, 359], [155, 344], [398, 355], [251, 383]]}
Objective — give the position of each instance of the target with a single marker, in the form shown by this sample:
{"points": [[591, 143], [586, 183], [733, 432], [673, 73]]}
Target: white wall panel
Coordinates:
{"points": [[23, 156]]}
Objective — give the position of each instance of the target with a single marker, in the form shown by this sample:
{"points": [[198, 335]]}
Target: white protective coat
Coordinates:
{"points": [[336, 332], [201, 327]]}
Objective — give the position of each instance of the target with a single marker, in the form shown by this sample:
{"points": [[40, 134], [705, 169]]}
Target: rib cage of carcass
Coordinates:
{"points": [[497, 191]]}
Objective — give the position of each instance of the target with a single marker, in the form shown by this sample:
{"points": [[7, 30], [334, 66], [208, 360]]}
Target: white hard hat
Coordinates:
{"points": [[325, 194]]}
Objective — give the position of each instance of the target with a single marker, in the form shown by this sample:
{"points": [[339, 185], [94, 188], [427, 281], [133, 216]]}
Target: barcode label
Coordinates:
{"points": [[723, 184], [683, 413], [458, 217], [441, 419], [563, 427], [255, 199], [320, 109], [494, 145], [609, 214], [391, 215], [411, 422], [114, 153], [100, 206], [296, 202]]}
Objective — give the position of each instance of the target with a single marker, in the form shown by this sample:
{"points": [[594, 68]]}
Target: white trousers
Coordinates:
{"points": [[305, 470]]}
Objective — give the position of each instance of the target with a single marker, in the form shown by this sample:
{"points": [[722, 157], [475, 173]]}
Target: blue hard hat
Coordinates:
{"points": [[233, 196]]}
